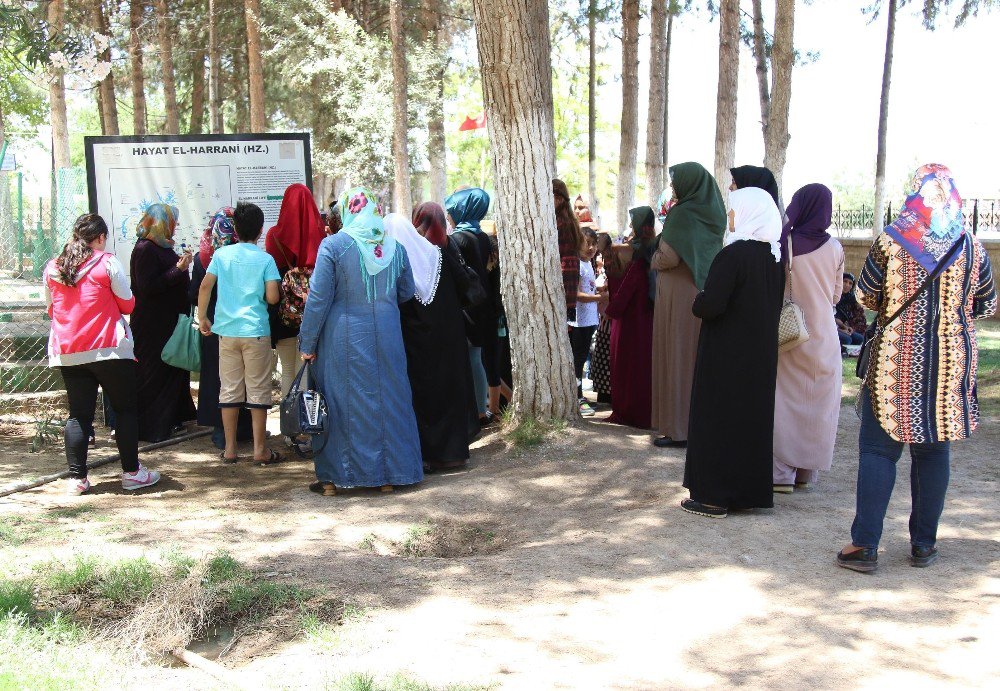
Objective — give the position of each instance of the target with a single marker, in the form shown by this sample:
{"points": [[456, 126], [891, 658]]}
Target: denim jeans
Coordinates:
{"points": [[878, 454]]}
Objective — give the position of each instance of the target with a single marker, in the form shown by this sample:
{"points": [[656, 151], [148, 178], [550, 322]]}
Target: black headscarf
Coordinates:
{"points": [[756, 176]]}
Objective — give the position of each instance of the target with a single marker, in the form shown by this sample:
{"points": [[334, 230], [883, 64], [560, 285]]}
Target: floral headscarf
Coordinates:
{"points": [[664, 203], [219, 233], [158, 224], [362, 216], [931, 220]]}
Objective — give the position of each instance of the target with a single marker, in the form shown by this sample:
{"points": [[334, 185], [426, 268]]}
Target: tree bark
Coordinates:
{"points": [[592, 110], [255, 64], [215, 70], [400, 128], [776, 135], [436, 148], [883, 123], [654, 114], [106, 87], [516, 68], [135, 65], [725, 114], [760, 57], [197, 122], [628, 151], [167, 63], [239, 85], [57, 94], [666, 93]]}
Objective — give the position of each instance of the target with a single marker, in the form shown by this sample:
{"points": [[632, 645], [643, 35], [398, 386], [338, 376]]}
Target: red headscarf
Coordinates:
{"points": [[294, 240], [429, 217]]}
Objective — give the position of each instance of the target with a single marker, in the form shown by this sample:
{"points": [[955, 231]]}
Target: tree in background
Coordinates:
{"points": [[57, 93], [255, 67], [400, 152], [173, 123], [655, 123], [515, 64], [628, 150], [107, 102], [725, 114], [883, 122], [135, 58]]}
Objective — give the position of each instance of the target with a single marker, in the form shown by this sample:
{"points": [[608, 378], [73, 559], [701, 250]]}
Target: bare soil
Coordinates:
{"points": [[565, 566]]}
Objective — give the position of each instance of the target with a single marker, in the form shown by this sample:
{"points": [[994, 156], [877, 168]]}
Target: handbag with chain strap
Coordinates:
{"points": [[792, 329]]}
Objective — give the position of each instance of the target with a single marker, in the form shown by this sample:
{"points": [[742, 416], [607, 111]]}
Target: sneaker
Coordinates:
{"points": [[783, 489], [923, 556], [144, 477], [586, 410], [77, 486]]}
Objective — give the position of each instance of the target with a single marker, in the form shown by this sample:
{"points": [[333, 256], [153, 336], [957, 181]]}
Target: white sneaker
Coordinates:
{"points": [[75, 486], [144, 477], [586, 410]]}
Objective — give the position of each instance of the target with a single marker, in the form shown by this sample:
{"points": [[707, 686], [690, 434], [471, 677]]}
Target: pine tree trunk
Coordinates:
{"points": [[436, 147], [400, 128], [239, 85], [197, 122], [654, 114], [666, 93], [167, 63], [516, 68], [215, 69], [106, 88], [883, 123], [592, 111], [760, 58], [255, 64], [725, 114], [135, 65], [628, 151], [57, 94], [776, 135]]}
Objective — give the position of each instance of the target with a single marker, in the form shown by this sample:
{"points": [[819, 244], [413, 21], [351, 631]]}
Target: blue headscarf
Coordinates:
{"points": [[467, 208], [362, 216]]}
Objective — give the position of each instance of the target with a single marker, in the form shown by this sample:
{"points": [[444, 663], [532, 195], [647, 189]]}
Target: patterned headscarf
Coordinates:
{"points": [[219, 233], [664, 204], [467, 208], [158, 224], [362, 216], [932, 219]]}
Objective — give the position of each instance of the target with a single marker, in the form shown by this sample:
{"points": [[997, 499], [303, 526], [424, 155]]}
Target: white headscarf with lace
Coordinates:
{"points": [[755, 218], [424, 256]]}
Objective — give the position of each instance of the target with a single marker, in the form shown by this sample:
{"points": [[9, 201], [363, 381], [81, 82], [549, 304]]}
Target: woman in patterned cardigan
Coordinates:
{"points": [[920, 387]]}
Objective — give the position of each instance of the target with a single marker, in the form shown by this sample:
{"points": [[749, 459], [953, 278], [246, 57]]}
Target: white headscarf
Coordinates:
{"points": [[756, 218], [424, 256]]}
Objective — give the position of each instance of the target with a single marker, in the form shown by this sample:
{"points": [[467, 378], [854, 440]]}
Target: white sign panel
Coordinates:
{"points": [[199, 174]]}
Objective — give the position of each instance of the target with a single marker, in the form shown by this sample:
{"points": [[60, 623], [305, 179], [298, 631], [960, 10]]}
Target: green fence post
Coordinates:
{"points": [[20, 224]]}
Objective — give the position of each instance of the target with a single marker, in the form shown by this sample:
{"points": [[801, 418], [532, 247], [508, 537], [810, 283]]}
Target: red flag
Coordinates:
{"points": [[473, 123]]}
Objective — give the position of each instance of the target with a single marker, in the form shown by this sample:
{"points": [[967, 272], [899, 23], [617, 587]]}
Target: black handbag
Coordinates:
{"points": [[471, 291], [875, 329], [303, 410]]}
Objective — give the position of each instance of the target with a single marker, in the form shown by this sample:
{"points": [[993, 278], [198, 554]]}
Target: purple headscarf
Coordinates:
{"points": [[809, 215]]}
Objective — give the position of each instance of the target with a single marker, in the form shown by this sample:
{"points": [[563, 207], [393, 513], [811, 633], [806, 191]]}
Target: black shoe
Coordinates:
{"points": [[488, 420], [668, 443], [699, 509], [864, 560], [923, 556]]}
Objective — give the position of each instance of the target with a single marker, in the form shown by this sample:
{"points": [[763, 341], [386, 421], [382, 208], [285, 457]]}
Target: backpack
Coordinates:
{"points": [[294, 291]]}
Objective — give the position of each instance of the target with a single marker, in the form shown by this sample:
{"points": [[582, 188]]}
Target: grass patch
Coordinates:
{"points": [[529, 432], [129, 580], [16, 597], [77, 577], [363, 681], [367, 543], [77, 511], [18, 530]]}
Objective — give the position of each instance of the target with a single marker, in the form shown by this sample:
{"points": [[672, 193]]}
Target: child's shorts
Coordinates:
{"points": [[245, 366]]}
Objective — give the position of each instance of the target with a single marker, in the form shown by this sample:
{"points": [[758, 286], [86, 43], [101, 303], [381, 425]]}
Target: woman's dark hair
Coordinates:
{"points": [[564, 211], [249, 221], [76, 252], [589, 234]]}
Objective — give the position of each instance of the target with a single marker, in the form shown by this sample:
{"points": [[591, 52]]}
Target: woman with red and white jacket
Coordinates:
{"points": [[91, 344]]}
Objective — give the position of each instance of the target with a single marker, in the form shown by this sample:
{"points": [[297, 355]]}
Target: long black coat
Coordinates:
{"points": [[730, 435]]}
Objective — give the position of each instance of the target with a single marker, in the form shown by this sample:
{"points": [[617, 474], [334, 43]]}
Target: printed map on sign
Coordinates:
{"points": [[196, 191]]}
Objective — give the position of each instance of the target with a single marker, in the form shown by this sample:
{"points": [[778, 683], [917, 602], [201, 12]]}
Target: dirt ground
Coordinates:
{"points": [[570, 565]]}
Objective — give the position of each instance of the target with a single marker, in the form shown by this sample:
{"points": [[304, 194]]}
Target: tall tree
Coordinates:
{"points": [[135, 56], [883, 121], [436, 37], [107, 101], [214, 70], [671, 11], [400, 150], [196, 125], [657, 84], [57, 93], [515, 62], [628, 151], [725, 112], [255, 65], [167, 65], [592, 109]]}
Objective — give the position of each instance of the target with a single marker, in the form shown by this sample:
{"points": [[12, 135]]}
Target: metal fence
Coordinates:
{"points": [[981, 216], [32, 231]]}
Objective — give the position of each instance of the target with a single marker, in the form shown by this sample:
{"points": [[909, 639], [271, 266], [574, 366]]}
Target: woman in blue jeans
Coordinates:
{"points": [[920, 387]]}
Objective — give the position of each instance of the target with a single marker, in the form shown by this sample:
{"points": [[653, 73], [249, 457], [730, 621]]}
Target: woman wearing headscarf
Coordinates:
{"points": [[437, 354], [691, 237], [631, 312], [219, 233], [755, 176], [160, 283], [466, 208], [920, 386], [807, 397], [732, 399], [570, 244], [351, 333]]}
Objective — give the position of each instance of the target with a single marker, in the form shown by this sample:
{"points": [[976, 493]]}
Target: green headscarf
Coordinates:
{"points": [[642, 217], [696, 223], [362, 217]]}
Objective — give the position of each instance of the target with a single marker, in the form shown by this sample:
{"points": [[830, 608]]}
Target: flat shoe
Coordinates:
{"points": [[699, 509], [783, 489], [668, 443], [923, 556], [327, 489], [226, 459], [272, 459], [864, 560]]}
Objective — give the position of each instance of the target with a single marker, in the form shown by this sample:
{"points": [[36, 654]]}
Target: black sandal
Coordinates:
{"points": [[273, 459], [326, 489], [699, 509], [226, 459]]}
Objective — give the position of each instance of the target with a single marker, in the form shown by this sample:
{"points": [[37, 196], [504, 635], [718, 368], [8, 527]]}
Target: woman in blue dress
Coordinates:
{"points": [[351, 333]]}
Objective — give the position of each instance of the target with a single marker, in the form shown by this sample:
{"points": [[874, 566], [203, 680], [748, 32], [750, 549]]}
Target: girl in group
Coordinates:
{"points": [[600, 359], [729, 449], [570, 244], [850, 315], [160, 282], [351, 332], [582, 330], [807, 397], [92, 345]]}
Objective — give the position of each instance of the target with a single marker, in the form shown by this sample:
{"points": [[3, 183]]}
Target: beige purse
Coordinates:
{"points": [[792, 329]]}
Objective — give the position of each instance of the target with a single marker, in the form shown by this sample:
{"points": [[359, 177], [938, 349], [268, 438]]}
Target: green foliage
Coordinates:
{"points": [[530, 432], [129, 581], [50, 654], [15, 598], [77, 577], [363, 681], [22, 103]]}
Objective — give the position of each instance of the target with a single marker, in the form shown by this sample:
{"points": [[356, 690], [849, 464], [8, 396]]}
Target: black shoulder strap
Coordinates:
{"points": [[931, 277]]}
